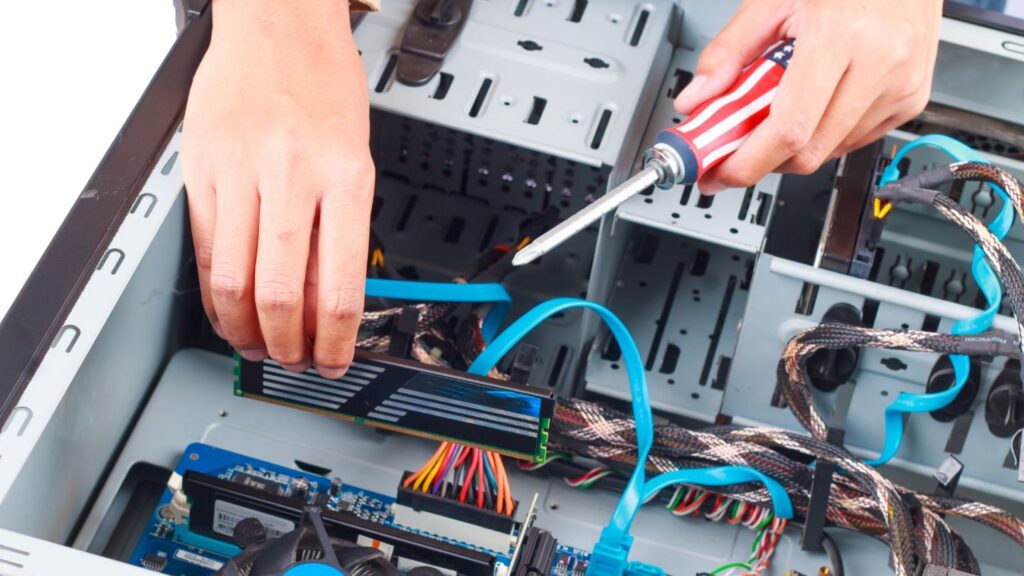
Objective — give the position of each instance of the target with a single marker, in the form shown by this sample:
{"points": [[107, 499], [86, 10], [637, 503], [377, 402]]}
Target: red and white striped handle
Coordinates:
{"points": [[719, 126]]}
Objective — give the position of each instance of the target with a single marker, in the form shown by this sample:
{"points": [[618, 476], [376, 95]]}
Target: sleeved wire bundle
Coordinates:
{"points": [[861, 499]]}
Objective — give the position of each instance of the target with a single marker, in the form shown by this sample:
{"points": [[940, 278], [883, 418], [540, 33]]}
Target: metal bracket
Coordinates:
{"points": [[432, 31]]}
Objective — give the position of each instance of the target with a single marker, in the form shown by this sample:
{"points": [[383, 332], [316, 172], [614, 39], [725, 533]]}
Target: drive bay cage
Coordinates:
{"points": [[113, 379]]}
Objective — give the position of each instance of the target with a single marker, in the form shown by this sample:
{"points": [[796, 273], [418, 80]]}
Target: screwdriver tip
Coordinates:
{"points": [[528, 254]]}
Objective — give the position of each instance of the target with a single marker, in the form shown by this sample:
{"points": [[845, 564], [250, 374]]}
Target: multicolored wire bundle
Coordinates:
{"points": [[913, 524], [469, 475]]}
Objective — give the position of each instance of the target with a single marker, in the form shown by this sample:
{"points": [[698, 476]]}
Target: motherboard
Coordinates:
{"points": [[171, 545]]}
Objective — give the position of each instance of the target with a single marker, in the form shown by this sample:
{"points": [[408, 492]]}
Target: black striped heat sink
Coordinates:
{"points": [[413, 398]]}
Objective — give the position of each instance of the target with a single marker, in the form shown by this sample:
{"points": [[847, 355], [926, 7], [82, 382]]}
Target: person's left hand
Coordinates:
{"points": [[859, 69]]}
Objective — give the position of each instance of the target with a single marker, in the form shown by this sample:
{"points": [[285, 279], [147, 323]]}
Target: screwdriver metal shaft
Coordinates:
{"points": [[681, 154]]}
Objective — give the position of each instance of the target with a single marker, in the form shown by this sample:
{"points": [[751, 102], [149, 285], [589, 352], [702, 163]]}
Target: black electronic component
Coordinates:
{"points": [[416, 399], [206, 493], [942, 378], [828, 368], [452, 508], [537, 554], [249, 532], [154, 562], [1004, 407], [257, 482]]}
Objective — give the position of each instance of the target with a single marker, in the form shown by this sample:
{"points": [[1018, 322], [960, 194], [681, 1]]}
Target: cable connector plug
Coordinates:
{"points": [[643, 569], [610, 555]]}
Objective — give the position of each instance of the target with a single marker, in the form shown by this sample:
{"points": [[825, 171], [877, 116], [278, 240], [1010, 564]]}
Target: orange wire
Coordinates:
{"points": [[423, 468], [509, 502], [500, 498]]}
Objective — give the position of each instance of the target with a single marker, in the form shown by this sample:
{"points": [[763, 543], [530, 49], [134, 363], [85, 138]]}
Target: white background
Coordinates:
{"points": [[71, 73]]}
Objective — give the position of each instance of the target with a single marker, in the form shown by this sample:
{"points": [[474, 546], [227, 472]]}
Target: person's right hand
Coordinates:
{"points": [[276, 159]]}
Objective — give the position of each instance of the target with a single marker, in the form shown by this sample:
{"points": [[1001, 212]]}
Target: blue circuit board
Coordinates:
{"points": [[169, 547]]}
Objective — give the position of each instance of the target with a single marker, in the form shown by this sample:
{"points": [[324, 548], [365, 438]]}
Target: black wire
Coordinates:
{"points": [[834, 557]]}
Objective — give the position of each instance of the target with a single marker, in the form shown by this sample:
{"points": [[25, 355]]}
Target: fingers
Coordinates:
{"points": [[803, 95], [286, 221], [202, 211], [341, 272], [852, 100], [232, 274], [752, 29]]}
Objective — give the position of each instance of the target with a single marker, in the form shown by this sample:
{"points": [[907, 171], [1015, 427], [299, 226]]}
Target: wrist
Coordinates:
{"points": [[273, 20]]}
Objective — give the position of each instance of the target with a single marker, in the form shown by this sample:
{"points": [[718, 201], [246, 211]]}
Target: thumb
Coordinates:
{"points": [[752, 29]]}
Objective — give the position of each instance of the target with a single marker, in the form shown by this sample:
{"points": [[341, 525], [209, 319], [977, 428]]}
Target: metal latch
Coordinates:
{"points": [[431, 32]]}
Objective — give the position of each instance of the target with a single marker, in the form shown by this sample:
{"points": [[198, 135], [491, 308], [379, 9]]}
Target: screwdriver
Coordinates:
{"points": [[681, 155]]}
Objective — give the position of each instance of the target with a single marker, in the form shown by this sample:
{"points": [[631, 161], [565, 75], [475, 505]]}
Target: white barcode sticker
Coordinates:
{"points": [[227, 515], [404, 564], [384, 547], [196, 559]]}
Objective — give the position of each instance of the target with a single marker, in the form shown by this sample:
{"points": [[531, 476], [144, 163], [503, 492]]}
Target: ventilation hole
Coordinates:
{"points": [[931, 323], [700, 263], [645, 249], [455, 230], [443, 86], [403, 220], [669, 361], [530, 45], [764, 205], [556, 368], [808, 297], [704, 201], [638, 31], [312, 468], [675, 215], [687, 192], [481, 97], [578, 8], [683, 78], [748, 196], [870, 312], [537, 110], [521, 7], [389, 68], [602, 126], [596, 62], [488, 237], [695, 396], [894, 364], [733, 231]]}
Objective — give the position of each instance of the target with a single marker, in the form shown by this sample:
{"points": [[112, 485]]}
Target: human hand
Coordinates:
{"points": [[275, 154], [859, 69]]}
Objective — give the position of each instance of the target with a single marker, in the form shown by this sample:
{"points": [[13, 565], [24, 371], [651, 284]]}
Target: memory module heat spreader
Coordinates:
{"points": [[415, 399]]}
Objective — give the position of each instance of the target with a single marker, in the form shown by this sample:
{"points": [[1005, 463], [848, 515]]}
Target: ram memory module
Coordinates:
{"points": [[415, 399]]}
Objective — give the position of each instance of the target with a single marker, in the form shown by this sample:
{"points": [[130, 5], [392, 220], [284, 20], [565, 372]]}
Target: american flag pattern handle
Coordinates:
{"points": [[719, 126]]}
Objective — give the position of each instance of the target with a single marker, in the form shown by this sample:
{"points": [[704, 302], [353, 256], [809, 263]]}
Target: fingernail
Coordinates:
{"points": [[331, 373], [690, 96], [300, 367], [254, 354], [216, 327]]}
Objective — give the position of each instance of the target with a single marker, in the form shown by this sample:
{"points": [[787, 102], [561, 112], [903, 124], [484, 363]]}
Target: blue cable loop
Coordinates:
{"points": [[610, 554], [987, 282], [447, 292]]}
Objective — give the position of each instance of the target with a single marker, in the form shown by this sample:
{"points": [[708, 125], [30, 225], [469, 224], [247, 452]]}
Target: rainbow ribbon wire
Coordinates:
{"points": [[987, 282], [611, 552]]}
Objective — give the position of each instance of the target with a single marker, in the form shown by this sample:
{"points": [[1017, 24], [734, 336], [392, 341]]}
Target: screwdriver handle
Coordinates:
{"points": [[719, 126]]}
